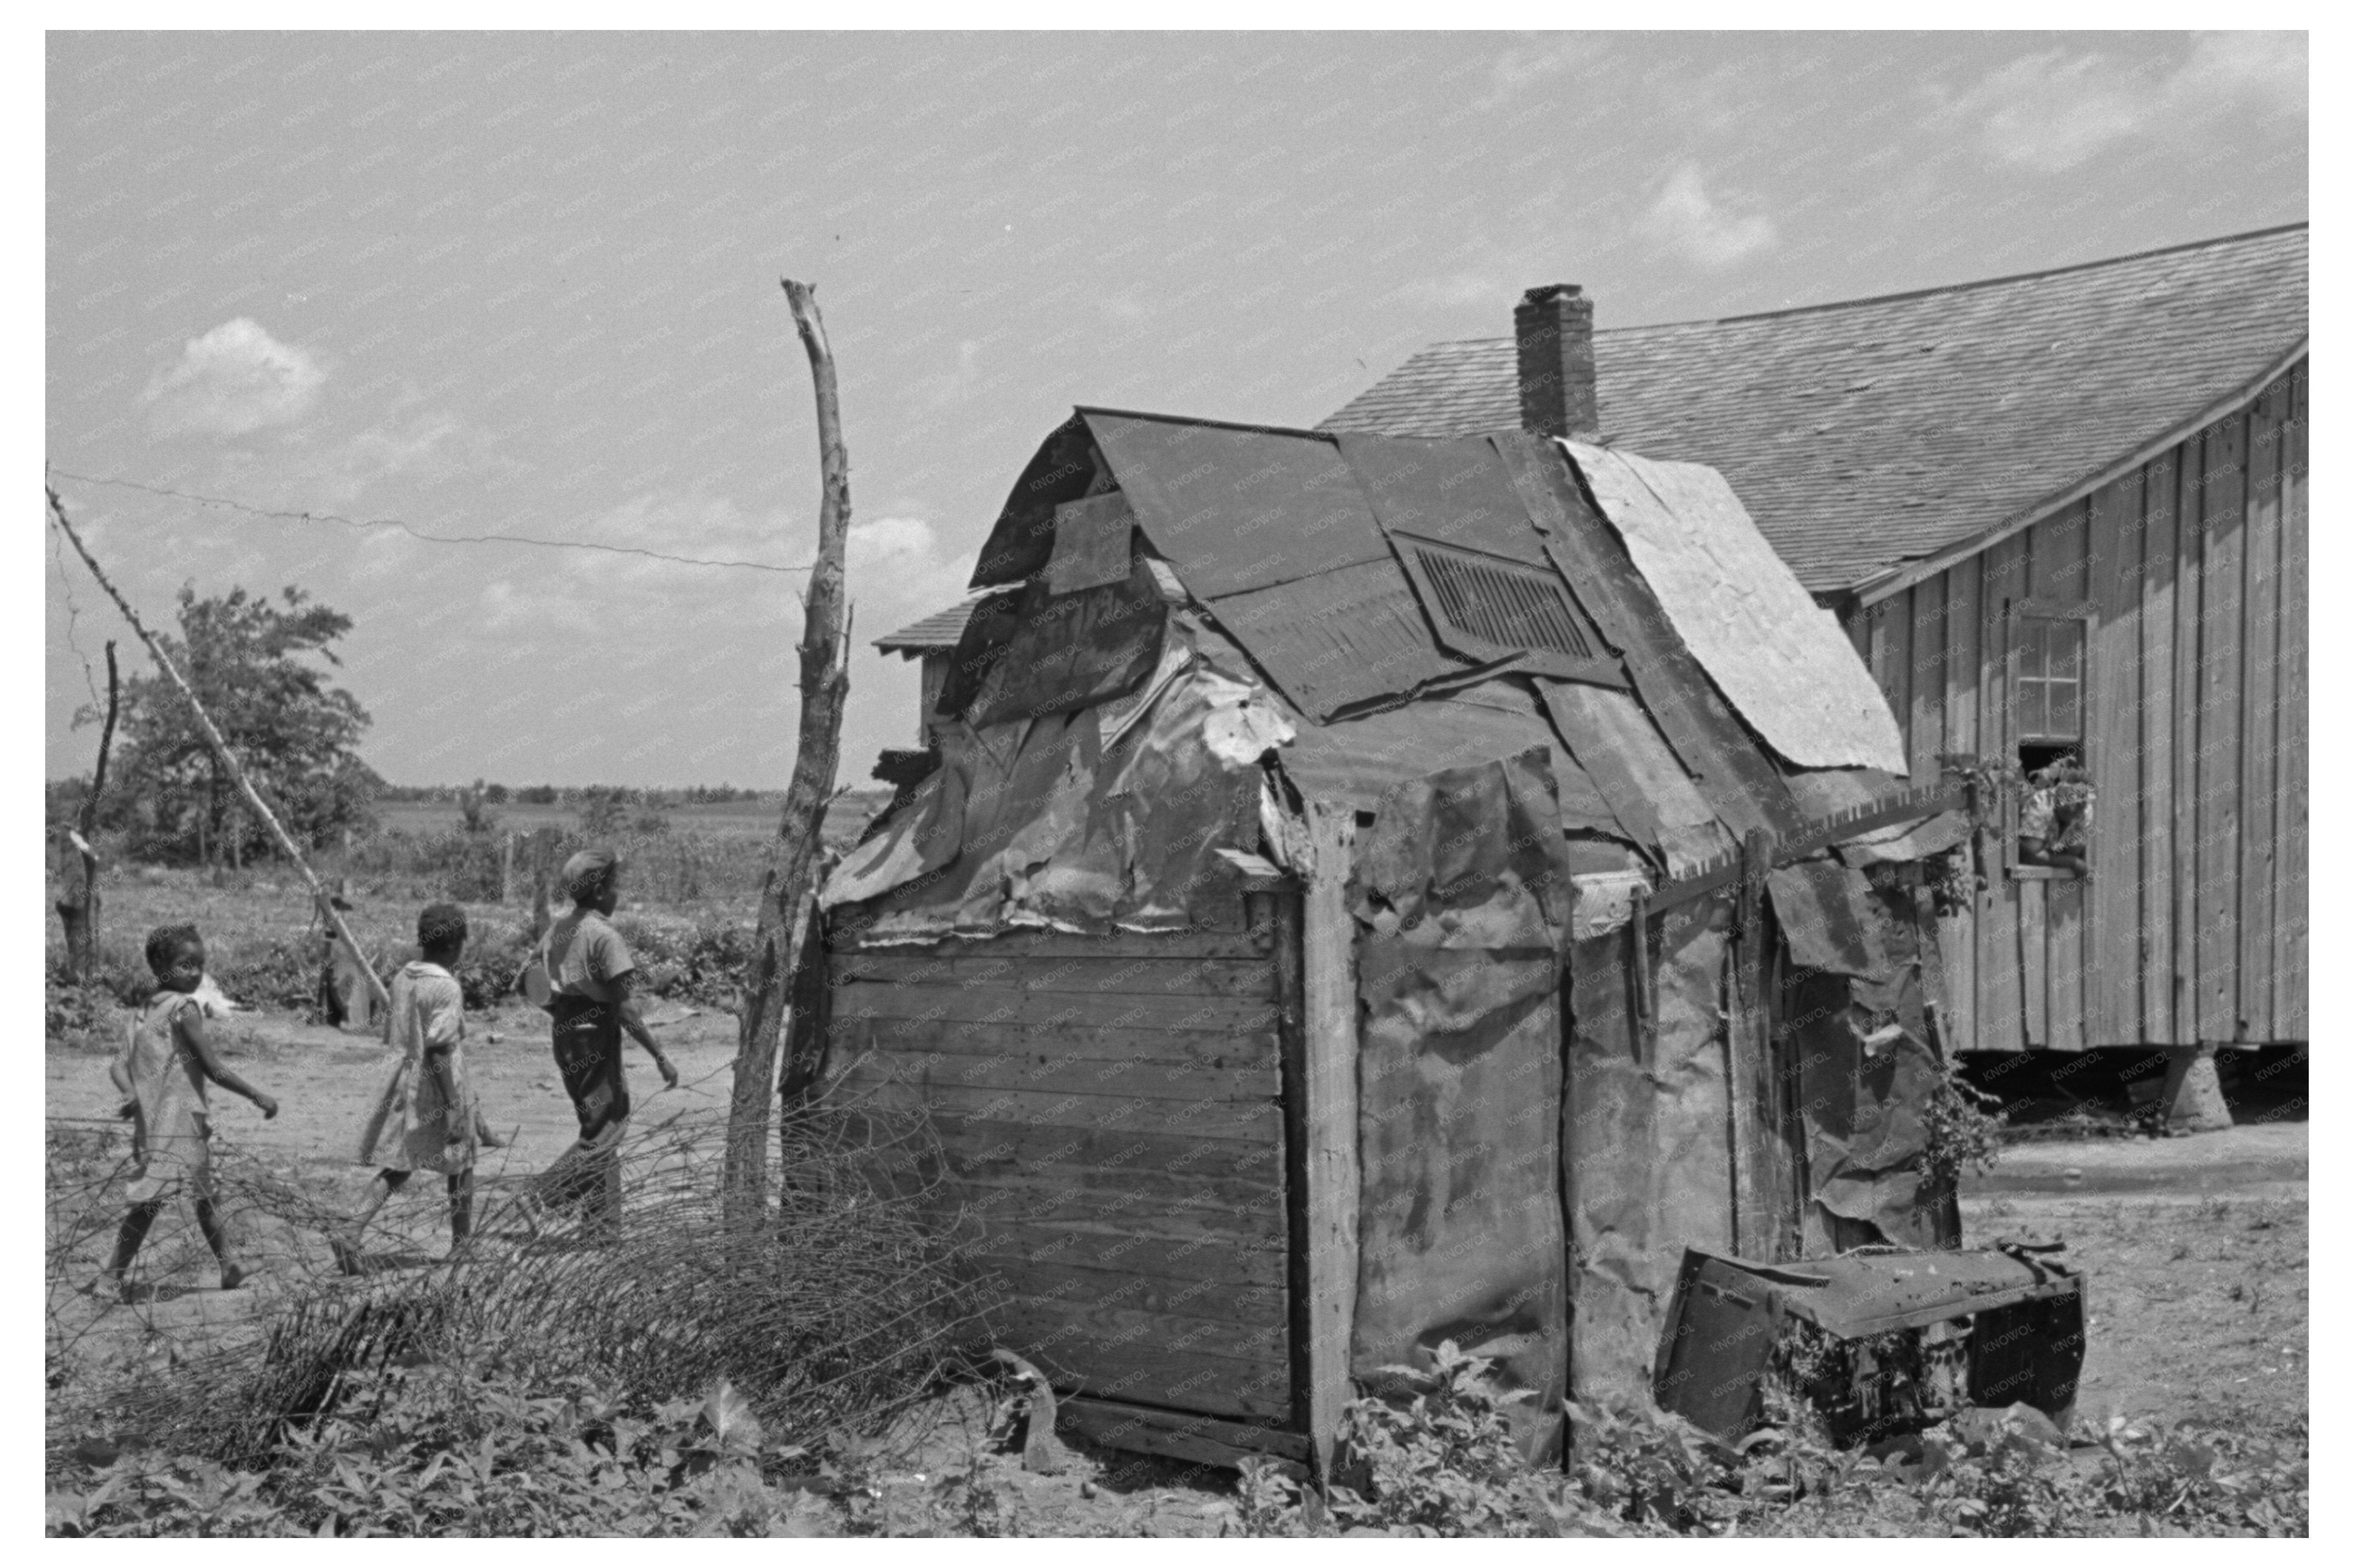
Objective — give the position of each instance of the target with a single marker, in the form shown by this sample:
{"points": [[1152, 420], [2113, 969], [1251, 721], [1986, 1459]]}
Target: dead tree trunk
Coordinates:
{"points": [[225, 758], [77, 910], [786, 887]]}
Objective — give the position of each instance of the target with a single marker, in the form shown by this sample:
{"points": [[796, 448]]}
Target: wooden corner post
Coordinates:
{"points": [[1329, 954]]}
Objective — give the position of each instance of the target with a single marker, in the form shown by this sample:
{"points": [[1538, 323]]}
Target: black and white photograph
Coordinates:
{"points": [[1107, 777]]}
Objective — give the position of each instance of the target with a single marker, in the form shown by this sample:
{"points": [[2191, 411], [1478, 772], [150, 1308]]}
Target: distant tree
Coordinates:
{"points": [[537, 795], [602, 811], [495, 794], [249, 662], [474, 808]]}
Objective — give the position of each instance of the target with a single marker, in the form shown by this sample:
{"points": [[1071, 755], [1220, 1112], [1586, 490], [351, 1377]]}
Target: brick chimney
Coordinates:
{"points": [[1553, 327]]}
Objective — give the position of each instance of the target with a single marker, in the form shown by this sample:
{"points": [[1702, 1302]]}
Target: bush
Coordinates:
{"points": [[1441, 1462], [833, 1312], [461, 1450], [1443, 1465]]}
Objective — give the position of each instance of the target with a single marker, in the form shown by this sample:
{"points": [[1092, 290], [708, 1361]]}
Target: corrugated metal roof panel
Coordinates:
{"points": [[1237, 508], [1455, 492], [1354, 760], [1334, 640], [1636, 771], [1873, 431]]}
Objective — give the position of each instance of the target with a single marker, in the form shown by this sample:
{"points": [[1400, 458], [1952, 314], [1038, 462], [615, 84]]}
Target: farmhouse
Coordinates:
{"points": [[1359, 892], [2063, 511]]}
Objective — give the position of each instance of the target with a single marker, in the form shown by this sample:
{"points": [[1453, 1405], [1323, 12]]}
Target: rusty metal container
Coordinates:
{"points": [[1878, 1342]]}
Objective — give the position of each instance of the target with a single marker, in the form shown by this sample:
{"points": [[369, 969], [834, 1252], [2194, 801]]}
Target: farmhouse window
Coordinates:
{"points": [[2050, 702], [2050, 829]]}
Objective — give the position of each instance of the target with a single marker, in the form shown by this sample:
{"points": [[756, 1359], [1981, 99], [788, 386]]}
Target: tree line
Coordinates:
{"points": [[263, 668]]}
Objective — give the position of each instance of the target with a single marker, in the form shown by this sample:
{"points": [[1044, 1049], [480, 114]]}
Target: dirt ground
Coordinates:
{"points": [[2196, 1247], [2196, 1253], [325, 1081]]}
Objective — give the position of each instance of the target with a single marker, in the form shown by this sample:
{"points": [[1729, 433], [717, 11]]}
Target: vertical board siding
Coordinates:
{"points": [[1957, 933], [2189, 579], [2158, 743], [1891, 646], [2259, 718], [2222, 632], [2055, 554], [2193, 926], [2032, 983], [2063, 968], [2002, 1016], [1925, 731], [2113, 692], [2290, 981]]}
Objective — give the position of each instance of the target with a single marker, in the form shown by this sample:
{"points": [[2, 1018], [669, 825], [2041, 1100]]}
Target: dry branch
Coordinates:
{"points": [[228, 759], [786, 890]]}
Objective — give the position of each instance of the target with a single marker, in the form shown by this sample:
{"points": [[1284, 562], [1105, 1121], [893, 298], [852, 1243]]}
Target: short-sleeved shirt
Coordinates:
{"points": [[585, 957]]}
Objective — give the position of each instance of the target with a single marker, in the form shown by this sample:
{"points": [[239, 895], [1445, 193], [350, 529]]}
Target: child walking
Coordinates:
{"points": [[161, 1072], [426, 1117]]}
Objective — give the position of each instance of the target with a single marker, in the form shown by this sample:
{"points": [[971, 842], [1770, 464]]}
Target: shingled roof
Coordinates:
{"points": [[1867, 433], [936, 633]]}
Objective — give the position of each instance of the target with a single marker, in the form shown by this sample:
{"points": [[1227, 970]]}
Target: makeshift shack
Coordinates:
{"points": [[1370, 892]]}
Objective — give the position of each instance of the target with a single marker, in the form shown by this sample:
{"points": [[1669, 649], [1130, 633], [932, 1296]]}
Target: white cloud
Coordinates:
{"points": [[2052, 111], [1687, 220], [1539, 57], [233, 381], [899, 565]]}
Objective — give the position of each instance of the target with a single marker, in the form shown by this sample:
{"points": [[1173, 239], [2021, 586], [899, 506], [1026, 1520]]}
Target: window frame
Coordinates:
{"points": [[2016, 612]]}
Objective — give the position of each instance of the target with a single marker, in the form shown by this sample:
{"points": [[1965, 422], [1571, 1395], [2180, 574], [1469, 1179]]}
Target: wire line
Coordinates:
{"points": [[429, 539]]}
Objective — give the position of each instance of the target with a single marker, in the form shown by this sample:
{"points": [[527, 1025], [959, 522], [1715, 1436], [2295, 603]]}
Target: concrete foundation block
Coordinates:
{"points": [[2194, 1094]]}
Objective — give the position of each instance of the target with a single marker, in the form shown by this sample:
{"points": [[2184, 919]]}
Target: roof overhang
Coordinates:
{"points": [[1896, 579]]}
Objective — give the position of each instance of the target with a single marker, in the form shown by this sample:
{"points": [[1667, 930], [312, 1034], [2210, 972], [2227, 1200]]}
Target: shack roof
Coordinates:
{"points": [[1351, 572], [1872, 432]]}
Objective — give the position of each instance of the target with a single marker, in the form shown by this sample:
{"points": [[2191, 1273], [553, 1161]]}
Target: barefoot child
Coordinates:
{"points": [[161, 1072], [426, 1117]]}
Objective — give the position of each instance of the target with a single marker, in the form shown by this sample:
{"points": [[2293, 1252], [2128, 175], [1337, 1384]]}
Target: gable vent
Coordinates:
{"points": [[1500, 603]]}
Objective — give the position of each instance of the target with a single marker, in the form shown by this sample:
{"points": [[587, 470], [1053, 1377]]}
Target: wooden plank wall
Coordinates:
{"points": [[1110, 1115], [2191, 929]]}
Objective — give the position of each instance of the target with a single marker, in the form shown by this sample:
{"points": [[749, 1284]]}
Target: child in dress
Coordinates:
{"points": [[161, 1072], [426, 1117]]}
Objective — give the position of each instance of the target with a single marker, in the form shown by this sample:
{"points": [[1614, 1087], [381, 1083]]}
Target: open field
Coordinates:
{"points": [[750, 817]]}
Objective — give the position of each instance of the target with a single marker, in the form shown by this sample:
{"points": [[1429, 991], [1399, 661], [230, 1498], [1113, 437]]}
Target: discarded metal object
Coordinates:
{"points": [[1042, 1452], [1877, 1343]]}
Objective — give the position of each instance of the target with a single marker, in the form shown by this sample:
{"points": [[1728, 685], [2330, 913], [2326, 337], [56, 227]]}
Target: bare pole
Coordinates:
{"points": [[228, 758], [79, 909], [785, 891]]}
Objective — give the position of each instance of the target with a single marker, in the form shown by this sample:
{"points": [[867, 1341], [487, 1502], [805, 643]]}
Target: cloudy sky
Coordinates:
{"points": [[527, 287]]}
